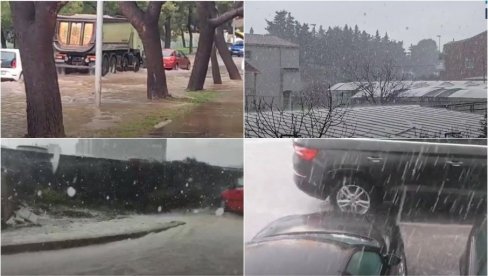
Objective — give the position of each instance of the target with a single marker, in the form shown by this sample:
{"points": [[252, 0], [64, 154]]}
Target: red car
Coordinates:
{"points": [[174, 59], [233, 198]]}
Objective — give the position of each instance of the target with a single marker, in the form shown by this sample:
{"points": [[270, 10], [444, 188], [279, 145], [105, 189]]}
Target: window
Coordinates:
{"points": [[75, 36], [286, 99], [63, 32], [87, 33], [365, 263], [469, 63]]}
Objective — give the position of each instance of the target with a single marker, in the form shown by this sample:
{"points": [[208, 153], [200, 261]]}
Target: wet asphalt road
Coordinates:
{"points": [[206, 244], [431, 248]]}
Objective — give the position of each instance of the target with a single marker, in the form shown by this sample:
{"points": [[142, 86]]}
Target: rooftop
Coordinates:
{"points": [[466, 39], [392, 121], [448, 89], [268, 40]]}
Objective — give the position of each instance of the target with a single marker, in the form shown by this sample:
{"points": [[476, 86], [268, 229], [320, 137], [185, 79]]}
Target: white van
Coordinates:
{"points": [[11, 68]]}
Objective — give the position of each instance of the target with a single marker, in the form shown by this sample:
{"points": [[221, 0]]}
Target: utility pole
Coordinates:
{"points": [[439, 36], [98, 54]]}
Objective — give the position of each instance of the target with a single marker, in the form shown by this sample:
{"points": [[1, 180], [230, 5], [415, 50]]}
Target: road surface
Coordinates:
{"points": [[207, 244], [431, 249]]}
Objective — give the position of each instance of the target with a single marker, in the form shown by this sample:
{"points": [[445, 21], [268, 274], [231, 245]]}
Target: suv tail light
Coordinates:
{"points": [[13, 64], [304, 153]]}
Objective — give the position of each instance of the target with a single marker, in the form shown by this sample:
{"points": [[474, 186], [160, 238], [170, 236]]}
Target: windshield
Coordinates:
{"points": [[168, 53], [295, 257], [7, 56], [345, 238]]}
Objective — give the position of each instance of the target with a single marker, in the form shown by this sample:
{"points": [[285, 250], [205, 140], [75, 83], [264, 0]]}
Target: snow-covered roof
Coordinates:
{"points": [[344, 86], [448, 89], [389, 121], [267, 40]]}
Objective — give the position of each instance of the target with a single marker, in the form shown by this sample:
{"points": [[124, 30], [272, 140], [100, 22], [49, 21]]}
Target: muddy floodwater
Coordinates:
{"points": [[125, 110], [221, 117]]}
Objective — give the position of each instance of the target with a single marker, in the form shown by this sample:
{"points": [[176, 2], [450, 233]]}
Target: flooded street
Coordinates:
{"points": [[206, 244], [221, 117], [125, 110]]}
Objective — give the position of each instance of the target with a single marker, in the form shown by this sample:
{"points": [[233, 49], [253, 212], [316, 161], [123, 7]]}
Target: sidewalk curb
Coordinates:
{"points": [[53, 245]]}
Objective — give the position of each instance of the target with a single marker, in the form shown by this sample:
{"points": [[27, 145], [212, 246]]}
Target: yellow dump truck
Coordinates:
{"points": [[74, 44]]}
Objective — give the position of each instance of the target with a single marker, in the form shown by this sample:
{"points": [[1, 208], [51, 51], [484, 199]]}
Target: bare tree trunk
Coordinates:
{"points": [[205, 44], [4, 42], [188, 26], [34, 25], [167, 32], [225, 55], [215, 67], [146, 24], [183, 38], [206, 39]]}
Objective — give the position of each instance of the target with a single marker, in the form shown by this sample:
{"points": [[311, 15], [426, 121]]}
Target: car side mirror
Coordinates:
{"points": [[393, 260]]}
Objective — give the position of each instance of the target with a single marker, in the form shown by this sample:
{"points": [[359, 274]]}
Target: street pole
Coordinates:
{"points": [[234, 28], [98, 54], [439, 36]]}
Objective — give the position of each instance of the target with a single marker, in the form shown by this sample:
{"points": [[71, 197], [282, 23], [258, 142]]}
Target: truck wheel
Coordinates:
{"points": [[113, 64], [105, 65], [353, 195], [137, 63], [125, 62]]}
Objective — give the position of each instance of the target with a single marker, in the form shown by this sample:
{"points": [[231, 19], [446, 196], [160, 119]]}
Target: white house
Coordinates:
{"points": [[277, 62]]}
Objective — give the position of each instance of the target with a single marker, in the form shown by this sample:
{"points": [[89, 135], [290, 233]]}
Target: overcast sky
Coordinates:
{"points": [[221, 152], [404, 21]]}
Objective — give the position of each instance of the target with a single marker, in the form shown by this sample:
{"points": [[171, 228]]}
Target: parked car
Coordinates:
{"points": [[233, 198], [11, 68], [473, 260], [358, 174], [327, 243], [175, 59], [237, 49]]}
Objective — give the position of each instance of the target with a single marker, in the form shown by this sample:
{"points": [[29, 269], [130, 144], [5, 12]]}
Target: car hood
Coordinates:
{"points": [[366, 226], [295, 257]]}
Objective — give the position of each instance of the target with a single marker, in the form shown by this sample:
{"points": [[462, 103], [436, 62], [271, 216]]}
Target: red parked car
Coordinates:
{"points": [[174, 59], [233, 198]]}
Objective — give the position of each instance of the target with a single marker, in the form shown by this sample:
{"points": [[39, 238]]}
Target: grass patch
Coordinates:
{"points": [[199, 97], [186, 51], [143, 125]]}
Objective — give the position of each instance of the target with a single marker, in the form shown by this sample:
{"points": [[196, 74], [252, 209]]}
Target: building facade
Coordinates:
{"points": [[277, 62], [465, 59], [123, 149]]}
